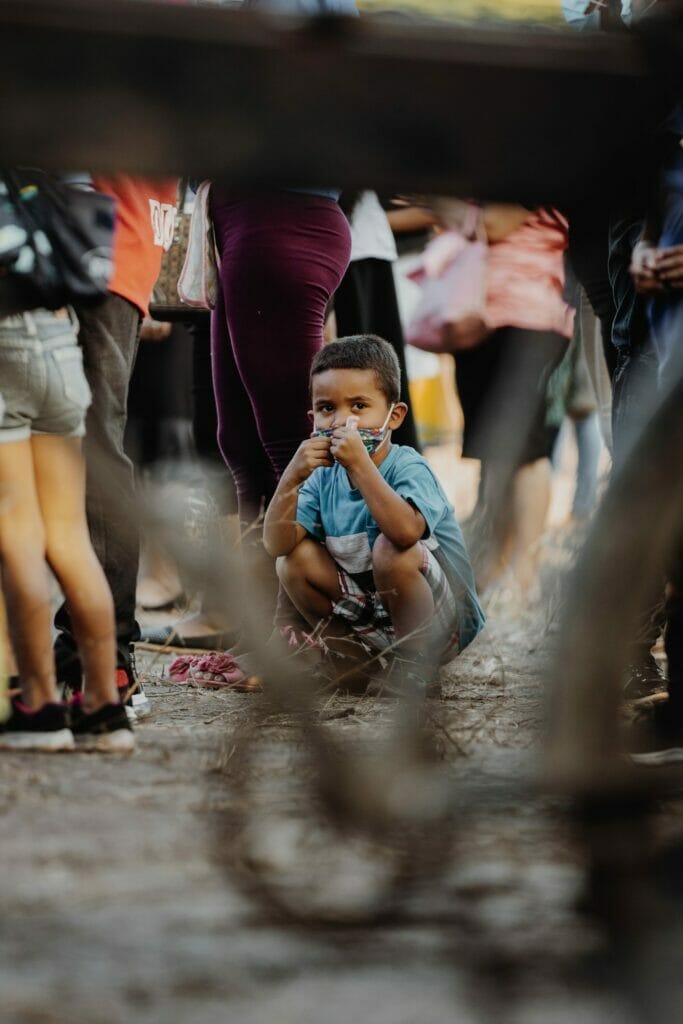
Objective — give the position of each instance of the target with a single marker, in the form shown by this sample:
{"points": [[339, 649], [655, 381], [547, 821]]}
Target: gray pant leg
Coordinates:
{"points": [[109, 334]]}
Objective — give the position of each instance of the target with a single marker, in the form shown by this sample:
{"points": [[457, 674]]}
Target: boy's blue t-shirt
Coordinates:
{"points": [[333, 512]]}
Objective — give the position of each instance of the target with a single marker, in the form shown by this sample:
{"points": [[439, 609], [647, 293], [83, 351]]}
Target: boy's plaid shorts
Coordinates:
{"points": [[362, 608]]}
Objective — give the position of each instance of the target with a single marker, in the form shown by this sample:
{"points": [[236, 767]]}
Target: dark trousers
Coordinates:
{"points": [[108, 335], [205, 418], [365, 303], [282, 256], [588, 253], [158, 432], [668, 339]]}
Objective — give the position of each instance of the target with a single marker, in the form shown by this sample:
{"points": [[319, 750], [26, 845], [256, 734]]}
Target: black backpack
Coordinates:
{"points": [[55, 242]]}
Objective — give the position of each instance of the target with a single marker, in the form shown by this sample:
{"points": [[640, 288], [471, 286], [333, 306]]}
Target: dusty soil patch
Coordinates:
{"points": [[118, 904]]}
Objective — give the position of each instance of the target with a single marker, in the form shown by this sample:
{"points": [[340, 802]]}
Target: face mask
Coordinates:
{"points": [[372, 437]]}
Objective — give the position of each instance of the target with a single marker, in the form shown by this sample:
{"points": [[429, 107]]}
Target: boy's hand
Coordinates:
{"points": [[311, 454], [347, 448]]}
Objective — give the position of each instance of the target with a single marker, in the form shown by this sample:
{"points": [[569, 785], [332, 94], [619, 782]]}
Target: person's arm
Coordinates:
{"points": [[498, 219], [400, 523], [281, 531], [410, 218], [501, 219]]}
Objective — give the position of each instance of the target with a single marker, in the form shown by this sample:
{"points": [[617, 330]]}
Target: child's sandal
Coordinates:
{"points": [[222, 671]]}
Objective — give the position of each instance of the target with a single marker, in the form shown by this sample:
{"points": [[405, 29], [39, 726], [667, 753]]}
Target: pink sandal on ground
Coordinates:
{"points": [[222, 671], [180, 668]]}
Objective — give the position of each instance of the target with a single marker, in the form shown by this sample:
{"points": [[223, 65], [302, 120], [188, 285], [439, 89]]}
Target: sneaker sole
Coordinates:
{"points": [[674, 755], [140, 708], [121, 741], [46, 742]]}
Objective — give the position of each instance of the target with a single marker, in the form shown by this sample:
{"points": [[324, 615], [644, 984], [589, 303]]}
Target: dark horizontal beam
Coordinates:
{"points": [[158, 89]]}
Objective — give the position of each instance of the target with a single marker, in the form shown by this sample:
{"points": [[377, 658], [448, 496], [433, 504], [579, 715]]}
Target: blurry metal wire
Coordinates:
{"points": [[398, 802]]}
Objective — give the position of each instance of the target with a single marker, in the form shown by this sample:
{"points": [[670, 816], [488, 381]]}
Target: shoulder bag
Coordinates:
{"points": [[450, 315]]}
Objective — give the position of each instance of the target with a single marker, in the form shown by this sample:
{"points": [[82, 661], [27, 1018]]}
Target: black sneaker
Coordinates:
{"points": [[106, 730], [128, 684], [45, 730], [642, 678]]}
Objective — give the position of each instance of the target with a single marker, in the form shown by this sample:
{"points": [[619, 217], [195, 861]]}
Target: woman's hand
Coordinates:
{"points": [[644, 268], [669, 266]]}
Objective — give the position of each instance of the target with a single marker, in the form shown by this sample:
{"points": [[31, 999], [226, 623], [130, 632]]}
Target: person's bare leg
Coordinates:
{"points": [[60, 484], [530, 503], [489, 528], [309, 575], [24, 575], [405, 593]]}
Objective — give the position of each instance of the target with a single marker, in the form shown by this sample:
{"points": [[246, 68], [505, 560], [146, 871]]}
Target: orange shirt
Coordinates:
{"points": [[145, 218]]}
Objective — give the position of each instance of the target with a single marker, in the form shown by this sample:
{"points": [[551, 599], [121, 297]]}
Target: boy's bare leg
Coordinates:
{"points": [[60, 484], [24, 574], [309, 575], [405, 593]]}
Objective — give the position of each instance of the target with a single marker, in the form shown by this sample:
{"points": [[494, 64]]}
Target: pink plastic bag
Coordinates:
{"points": [[450, 313]]}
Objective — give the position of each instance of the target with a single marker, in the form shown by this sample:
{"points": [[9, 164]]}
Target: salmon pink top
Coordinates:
{"points": [[525, 276]]}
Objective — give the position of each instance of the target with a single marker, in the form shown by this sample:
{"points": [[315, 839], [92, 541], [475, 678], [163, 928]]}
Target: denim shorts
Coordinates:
{"points": [[43, 389]]}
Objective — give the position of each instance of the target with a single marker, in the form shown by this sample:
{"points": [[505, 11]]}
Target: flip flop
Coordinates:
{"points": [[220, 672], [179, 669]]}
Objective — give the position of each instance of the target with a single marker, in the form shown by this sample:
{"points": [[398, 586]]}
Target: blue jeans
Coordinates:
{"points": [[589, 444]]}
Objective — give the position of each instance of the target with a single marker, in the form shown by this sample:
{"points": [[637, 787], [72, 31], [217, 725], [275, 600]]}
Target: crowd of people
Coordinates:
{"points": [[293, 394]]}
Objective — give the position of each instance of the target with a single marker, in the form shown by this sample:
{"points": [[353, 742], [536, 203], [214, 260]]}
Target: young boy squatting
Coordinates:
{"points": [[362, 531]]}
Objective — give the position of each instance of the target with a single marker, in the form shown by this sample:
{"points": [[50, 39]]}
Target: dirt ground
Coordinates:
{"points": [[118, 902], [123, 894]]}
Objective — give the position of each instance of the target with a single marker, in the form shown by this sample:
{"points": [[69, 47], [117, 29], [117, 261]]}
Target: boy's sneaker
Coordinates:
{"points": [[106, 730], [44, 730], [133, 697]]}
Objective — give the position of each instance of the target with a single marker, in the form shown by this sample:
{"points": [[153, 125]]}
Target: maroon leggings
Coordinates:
{"points": [[282, 256]]}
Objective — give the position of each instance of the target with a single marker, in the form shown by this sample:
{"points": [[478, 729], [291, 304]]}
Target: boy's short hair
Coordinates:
{"points": [[362, 352]]}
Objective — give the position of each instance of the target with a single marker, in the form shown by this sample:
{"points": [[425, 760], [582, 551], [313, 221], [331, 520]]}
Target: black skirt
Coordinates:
{"points": [[502, 386], [365, 303]]}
